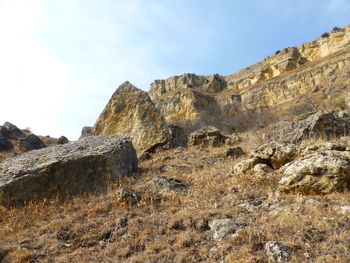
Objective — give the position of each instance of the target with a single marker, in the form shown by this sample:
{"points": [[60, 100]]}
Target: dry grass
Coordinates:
{"points": [[174, 227]]}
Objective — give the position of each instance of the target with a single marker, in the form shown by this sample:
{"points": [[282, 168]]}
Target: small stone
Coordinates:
{"points": [[222, 228], [126, 197], [276, 252], [262, 169], [165, 185], [234, 152], [345, 209], [144, 156], [244, 166], [122, 222]]}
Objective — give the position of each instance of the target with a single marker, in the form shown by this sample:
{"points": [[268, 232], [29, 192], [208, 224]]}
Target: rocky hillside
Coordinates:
{"points": [[152, 181], [316, 72]]}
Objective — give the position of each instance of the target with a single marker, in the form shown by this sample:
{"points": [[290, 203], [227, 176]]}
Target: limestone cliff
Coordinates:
{"points": [[314, 71]]}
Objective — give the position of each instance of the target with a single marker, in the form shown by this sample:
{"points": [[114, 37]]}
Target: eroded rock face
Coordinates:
{"points": [[86, 165], [131, 112], [206, 137], [320, 124], [320, 172]]}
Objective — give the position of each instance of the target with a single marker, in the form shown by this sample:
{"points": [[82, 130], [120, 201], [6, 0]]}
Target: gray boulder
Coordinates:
{"points": [[86, 165]]}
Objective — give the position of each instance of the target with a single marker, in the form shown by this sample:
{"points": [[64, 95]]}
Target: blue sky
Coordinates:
{"points": [[61, 60]]}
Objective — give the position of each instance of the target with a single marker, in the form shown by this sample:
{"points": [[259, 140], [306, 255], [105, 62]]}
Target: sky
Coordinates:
{"points": [[61, 60]]}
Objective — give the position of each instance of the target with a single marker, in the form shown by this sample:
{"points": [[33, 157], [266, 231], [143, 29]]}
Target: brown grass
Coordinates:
{"points": [[174, 227]]}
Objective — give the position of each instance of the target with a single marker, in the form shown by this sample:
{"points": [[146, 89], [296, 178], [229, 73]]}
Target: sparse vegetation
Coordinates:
{"points": [[174, 228], [325, 35]]}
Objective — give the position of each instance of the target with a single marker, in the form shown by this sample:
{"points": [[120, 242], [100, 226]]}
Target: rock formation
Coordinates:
{"points": [[131, 112], [89, 164], [295, 76]]}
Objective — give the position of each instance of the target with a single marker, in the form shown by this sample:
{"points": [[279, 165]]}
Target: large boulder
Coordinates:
{"points": [[86, 165], [207, 136], [319, 172], [131, 112], [30, 142]]}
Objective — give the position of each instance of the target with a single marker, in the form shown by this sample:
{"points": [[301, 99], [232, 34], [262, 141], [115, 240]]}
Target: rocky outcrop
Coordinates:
{"points": [[86, 165], [86, 131], [319, 172], [207, 137], [214, 83], [325, 124], [131, 112], [266, 158]]}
